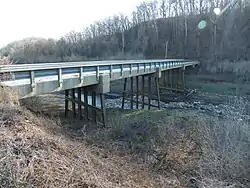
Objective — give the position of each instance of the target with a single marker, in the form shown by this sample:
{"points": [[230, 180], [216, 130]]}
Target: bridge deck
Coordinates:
{"points": [[35, 79]]}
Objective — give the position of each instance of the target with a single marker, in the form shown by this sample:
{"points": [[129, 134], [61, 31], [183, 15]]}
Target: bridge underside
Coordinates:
{"points": [[139, 90]]}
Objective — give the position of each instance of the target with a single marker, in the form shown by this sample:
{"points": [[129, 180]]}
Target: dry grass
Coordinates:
{"points": [[176, 146], [186, 145], [8, 95], [226, 145], [34, 154], [138, 149]]}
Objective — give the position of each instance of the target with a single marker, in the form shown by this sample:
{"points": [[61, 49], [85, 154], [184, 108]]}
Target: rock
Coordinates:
{"points": [[196, 103], [218, 110]]}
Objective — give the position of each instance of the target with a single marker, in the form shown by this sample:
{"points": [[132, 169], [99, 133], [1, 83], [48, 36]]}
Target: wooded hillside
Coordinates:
{"points": [[145, 34]]}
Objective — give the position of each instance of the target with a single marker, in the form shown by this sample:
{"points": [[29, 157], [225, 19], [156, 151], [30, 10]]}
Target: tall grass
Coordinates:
{"points": [[226, 148], [213, 150]]}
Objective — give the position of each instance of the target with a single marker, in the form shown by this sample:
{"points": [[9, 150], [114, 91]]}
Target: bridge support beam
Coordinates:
{"points": [[143, 88], [174, 80], [66, 112], [88, 107]]}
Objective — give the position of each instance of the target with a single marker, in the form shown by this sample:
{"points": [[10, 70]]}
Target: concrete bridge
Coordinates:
{"points": [[93, 78]]}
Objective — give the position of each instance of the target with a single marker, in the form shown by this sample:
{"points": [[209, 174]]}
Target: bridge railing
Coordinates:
{"points": [[33, 79]]}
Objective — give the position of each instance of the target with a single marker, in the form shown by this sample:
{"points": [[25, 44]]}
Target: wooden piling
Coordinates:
{"points": [[66, 103], [143, 92], [174, 80], [73, 102], [86, 110], [183, 84], [131, 92], [94, 105], [124, 92], [137, 92], [149, 92], [158, 92], [165, 78], [103, 108], [91, 111], [170, 78], [79, 97], [178, 78]]}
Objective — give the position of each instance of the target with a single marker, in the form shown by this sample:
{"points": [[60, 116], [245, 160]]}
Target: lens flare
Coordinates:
{"points": [[217, 11], [202, 24]]}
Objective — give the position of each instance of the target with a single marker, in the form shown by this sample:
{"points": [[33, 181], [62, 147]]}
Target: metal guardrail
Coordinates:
{"points": [[76, 74], [46, 66], [22, 71]]}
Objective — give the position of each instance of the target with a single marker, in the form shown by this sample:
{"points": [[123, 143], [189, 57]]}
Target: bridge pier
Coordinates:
{"points": [[173, 80], [133, 95], [88, 109], [141, 86]]}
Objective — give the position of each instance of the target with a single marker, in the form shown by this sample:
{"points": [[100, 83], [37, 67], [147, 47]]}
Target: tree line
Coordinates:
{"points": [[155, 29]]}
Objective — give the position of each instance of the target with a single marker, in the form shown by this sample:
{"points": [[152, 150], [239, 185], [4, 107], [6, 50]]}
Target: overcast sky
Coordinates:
{"points": [[54, 18]]}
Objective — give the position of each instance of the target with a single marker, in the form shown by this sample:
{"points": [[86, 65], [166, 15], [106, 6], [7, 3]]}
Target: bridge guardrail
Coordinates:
{"points": [[33, 74]]}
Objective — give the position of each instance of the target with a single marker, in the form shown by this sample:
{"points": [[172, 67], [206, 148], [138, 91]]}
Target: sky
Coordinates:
{"points": [[54, 18]]}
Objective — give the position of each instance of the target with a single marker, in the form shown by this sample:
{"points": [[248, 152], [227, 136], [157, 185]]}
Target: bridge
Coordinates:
{"points": [[93, 78]]}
